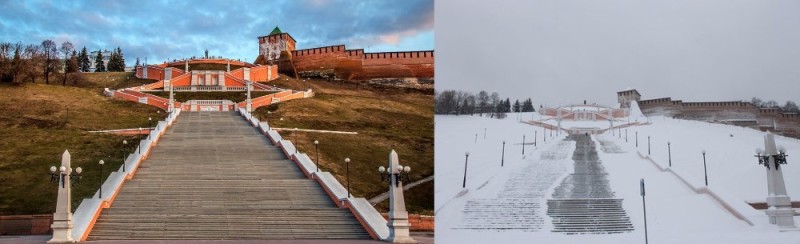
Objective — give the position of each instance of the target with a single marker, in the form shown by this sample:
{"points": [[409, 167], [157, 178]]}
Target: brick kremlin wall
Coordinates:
{"points": [[357, 65], [730, 112]]}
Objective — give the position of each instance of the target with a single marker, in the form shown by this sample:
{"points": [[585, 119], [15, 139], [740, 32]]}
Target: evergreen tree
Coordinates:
{"points": [[517, 107], [137, 62], [113, 63], [84, 60], [527, 106], [99, 65], [507, 106], [120, 60]]}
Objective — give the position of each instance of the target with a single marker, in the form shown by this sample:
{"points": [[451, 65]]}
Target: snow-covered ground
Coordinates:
{"points": [[676, 212]]}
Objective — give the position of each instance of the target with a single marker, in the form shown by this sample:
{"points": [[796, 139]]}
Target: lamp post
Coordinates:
{"points": [[466, 159], [476, 137], [124, 146], [779, 209], [535, 135], [347, 173], [648, 145], [101, 178], [294, 137], [316, 151], [60, 177], [644, 208], [400, 174], [626, 134], [484, 133], [503, 157], [669, 154], [705, 170], [523, 144]]}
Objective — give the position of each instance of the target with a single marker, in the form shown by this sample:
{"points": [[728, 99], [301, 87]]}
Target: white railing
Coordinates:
{"points": [[85, 214]]}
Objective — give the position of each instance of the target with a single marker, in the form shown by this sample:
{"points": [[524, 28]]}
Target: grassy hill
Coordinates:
{"points": [[385, 119], [38, 122]]}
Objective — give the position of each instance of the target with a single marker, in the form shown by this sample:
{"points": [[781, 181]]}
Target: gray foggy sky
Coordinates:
{"points": [[560, 52]]}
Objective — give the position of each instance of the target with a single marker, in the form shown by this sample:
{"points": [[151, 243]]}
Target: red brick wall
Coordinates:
{"points": [[26, 224], [418, 222], [355, 64]]}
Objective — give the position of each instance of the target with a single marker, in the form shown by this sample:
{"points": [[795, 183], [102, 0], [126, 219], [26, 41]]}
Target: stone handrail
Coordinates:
{"points": [[733, 207]]}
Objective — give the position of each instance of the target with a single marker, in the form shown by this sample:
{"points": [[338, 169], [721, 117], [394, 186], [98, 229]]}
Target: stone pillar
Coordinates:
{"points": [[558, 117], [249, 105], [171, 99], [399, 228], [779, 204], [229, 66], [62, 218], [186, 66], [194, 78], [246, 74], [168, 73]]}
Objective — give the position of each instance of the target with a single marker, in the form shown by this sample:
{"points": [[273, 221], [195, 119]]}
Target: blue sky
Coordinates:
{"points": [[162, 30]]}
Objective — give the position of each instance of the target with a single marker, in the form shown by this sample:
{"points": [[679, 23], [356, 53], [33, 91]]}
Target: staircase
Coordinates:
{"points": [[214, 177], [584, 202]]}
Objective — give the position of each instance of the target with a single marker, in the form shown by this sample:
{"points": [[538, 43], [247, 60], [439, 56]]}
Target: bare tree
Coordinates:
{"points": [[483, 101], [50, 54], [32, 58], [791, 107], [5, 61], [66, 50]]}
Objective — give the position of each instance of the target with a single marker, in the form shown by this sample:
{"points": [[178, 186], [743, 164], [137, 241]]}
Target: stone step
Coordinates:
{"points": [[213, 177]]}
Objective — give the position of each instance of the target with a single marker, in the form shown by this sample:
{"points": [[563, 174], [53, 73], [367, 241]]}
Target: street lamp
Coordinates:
{"points": [[124, 146], [347, 172], [648, 145], [466, 159], [669, 153], [400, 174], [705, 170], [523, 144], [779, 158], [60, 176], [101, 178], [316, 150], [503, 158]]}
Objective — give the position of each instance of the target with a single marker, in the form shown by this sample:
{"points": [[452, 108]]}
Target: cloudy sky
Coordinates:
{"points": [[162, 30], [565, 51]]}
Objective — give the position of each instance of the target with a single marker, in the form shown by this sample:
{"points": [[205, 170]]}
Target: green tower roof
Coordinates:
{"points": [[275, 31]]}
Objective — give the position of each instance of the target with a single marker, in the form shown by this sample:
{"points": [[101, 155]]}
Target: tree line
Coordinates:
{"points": [[28, 62], [789, 106], [462, 103]]}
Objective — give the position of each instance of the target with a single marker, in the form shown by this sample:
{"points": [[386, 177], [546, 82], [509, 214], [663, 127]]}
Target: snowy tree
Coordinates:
{"points": [[483, 101], [791, 107], [517, 107]]}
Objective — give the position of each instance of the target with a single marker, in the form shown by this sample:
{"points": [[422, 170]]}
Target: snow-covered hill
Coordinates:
{"points": [[679, 207]]}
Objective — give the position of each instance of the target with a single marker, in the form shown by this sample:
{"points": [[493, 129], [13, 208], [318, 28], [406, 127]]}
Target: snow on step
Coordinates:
{"points": [[584, 202], [517, 206]]}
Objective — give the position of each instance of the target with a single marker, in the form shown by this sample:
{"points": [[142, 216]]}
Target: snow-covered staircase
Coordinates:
{"points": [[584, 202], [518, 205]]}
